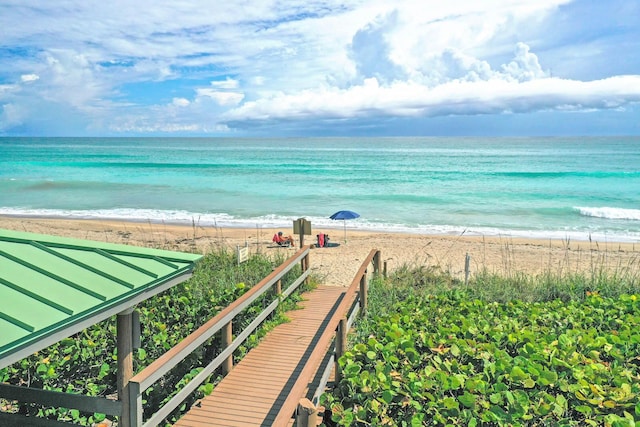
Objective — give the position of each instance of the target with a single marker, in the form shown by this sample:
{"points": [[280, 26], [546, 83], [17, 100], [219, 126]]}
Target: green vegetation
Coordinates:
{"points": [[515, 351], [86, 363]]}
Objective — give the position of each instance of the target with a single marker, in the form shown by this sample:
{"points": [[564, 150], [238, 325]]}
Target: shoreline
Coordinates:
{"points": [[337, 265], [204, 221]]}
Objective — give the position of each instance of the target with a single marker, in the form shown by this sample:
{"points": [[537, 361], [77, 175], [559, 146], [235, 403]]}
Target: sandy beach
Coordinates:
{"points": [[337, 265]]}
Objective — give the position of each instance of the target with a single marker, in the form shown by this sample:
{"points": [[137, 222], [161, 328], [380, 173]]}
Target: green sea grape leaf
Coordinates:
{"points": [[455, 382], [417, 420], [584, 409], [495, 398], [501, 414], [529, 349], [509, 397], [517, 374], [450, 403], [387, 396], [467, 399], [547, 377], [360, 348], [104, 370], [352, 369], [455, 350], [560, 406]]}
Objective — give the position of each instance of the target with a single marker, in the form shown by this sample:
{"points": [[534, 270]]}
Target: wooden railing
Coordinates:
{"points": [[221, 322], [55, 399], [353, 303]]}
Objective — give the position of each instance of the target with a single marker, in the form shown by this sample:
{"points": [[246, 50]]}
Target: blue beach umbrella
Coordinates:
{"points": [[345, 215]]}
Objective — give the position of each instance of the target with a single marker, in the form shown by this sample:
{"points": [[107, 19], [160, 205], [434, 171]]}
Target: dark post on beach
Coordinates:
{"points": [[302, 235], [301, 227]]}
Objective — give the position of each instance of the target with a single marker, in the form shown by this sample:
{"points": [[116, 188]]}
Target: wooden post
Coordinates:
{"points": [[307, 414], [363, 294], [376, 263], [136, 334], [341, 346], [124, 332], [135, 414], [467, 259], [384, 270], [278, 288], [302, 232], [227, 338], [306, 267]]}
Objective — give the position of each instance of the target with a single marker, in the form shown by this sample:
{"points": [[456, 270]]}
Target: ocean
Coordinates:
{"points": [[576, 188]]}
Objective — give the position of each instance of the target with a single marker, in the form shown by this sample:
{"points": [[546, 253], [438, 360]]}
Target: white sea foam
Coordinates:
{"points": [[318, 224], [610, 213]]}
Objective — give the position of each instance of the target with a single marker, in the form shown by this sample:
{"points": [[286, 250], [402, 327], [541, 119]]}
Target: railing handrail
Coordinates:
{"points": [[316, 356], [161, 366]]}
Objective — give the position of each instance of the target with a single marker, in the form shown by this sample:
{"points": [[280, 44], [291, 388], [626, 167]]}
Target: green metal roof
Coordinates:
{"points": [[53, 287]]}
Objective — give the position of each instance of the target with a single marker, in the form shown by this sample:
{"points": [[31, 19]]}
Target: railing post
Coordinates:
{"points": [[384, 270], [135, 405], [227, 339], [363, 294], [307, 414], [341, 346], [376, 263], [304, 264], [278, 288], [124, 332]]}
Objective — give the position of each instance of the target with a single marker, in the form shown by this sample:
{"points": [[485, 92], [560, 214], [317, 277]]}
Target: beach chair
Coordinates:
{"points": [[281, 241]]}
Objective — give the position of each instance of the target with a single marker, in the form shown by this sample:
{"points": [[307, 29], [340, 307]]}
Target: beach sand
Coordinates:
{"points": [[337, 265]]}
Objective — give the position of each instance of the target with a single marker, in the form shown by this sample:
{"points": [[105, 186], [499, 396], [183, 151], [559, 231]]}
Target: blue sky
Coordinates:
{"points": [[319, 67]]}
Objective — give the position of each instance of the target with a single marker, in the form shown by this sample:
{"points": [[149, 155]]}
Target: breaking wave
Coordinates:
{"points": [[610, 213]]}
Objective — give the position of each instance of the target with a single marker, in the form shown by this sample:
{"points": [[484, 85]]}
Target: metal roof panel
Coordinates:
{"points": [[52, 286]]}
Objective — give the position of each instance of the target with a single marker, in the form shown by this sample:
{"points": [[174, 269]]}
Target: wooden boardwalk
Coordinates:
{"points": [[255, 390]]}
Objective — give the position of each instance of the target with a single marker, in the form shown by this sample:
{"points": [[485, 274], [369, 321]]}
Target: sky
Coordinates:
{"points": [[265, 68]]}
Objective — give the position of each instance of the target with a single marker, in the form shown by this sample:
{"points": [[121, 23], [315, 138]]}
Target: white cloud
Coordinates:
{"points": [[11, 115], [455, 97], [71, 78], [222, 98], [180, 102], [29, 77], [228, 83], [6, 89], [525, 66]]}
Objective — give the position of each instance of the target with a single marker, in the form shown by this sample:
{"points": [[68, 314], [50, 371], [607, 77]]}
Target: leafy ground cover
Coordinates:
{"points": [[86, 362], [432, 352]]}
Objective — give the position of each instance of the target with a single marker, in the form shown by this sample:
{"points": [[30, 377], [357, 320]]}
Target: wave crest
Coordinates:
{"points": [[610, 213]]}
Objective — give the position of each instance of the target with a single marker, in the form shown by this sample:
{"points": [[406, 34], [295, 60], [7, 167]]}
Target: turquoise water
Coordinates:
{"points": [[577, 188]]}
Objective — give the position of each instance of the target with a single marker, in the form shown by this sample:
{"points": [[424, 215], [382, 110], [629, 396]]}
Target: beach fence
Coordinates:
{"points": [[242, 253]]}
